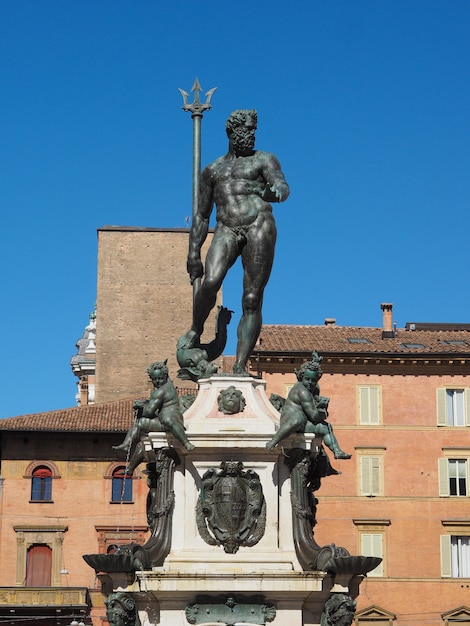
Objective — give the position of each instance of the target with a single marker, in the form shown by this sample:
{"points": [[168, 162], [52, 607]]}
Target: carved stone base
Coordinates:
{"points": [[234, 505]]}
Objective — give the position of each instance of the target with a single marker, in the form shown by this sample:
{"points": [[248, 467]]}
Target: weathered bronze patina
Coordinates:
{"points": [[121, 610], [339, 610], [231, 401], [195, 362], [242, 184], [160, 504], [231, 506], [230, 611], [305, 410], [161, 412], [307, 468]]}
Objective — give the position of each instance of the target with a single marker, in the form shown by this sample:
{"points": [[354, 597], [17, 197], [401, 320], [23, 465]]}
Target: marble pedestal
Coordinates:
{"points": [[193, 568]]}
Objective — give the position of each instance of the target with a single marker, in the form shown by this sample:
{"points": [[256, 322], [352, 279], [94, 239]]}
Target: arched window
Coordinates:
{"points": [[38, 565], [41, 484], [121, 486]]}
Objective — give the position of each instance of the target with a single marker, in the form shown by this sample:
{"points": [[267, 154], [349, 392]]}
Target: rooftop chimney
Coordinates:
{"points": [[387, 325], [330, 321]]}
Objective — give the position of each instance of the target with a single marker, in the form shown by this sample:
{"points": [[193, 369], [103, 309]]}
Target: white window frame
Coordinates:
{"points": [[372, 544], [444, 476], [370, 474], [454, 548], [369, 398], [371, 541], [446, 406]]}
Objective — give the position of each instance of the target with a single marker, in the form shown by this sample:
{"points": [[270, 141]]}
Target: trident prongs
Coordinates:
{"points": [[197, 107]]}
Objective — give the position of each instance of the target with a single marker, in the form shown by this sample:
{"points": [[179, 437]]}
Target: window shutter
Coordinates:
{"points": [[371, 545], [446, 563], [443, 470], [374, 405], [441, 407], [365, 476], [369, 405], [467, 406], [364, 409], [375, 475]]}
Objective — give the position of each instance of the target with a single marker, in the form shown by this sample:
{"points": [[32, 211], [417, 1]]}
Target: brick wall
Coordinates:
{"points": [[144, 304]]}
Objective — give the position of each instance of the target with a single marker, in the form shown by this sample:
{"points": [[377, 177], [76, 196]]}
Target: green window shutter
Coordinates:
{"points": [[467, 406], [446, 563], [441, 407], [443, 470]]}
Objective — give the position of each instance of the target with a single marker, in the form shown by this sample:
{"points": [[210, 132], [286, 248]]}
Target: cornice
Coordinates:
{"points": [[369, 363]]}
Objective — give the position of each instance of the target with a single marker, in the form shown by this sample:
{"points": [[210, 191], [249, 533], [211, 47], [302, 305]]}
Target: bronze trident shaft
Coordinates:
{"points": [[197, 109]]}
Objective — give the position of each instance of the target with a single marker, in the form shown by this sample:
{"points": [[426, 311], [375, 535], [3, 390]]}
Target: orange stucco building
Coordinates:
{"points": [[399, 403]]}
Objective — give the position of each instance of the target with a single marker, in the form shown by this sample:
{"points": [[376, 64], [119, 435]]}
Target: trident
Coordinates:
{"points": [[197, 108]]}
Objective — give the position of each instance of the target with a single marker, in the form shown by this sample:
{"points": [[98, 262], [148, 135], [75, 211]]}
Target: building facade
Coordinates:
{"points": [[63, 494], [400, 404]]}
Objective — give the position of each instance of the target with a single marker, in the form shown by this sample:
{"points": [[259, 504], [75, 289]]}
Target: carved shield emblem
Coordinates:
{"points": [[231, 510]]}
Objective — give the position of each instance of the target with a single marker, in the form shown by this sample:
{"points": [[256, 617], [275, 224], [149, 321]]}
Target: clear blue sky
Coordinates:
{"points": [[366, 103]]}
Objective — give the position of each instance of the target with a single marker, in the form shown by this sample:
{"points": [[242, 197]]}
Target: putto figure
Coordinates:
{"points": [[242, 184], [305, 410], [162, 411]]}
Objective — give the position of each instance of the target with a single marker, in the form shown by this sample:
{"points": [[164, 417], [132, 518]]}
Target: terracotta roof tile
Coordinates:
{"points": [[105, 417], [278, 338]]}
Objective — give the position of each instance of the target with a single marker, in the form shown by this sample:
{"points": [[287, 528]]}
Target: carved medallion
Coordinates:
{"points": [[231, 510]]}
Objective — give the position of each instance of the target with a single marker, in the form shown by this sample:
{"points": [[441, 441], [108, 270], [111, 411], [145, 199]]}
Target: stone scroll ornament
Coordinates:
{"points": [[231, 509], [121, 610], [253, 610]]}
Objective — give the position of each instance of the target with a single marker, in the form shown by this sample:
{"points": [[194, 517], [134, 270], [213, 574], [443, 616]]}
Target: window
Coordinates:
{"points": [[457, 617], [38, 566], [457, 477], [453, 477], [369, 400], [111, 537], [41, 484], [372, 545], [39, 555], [121, 490], [370, 474], [358, 340], [455, 556], [413, 346], [288, 388], [371, 541], [453, 407]]}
